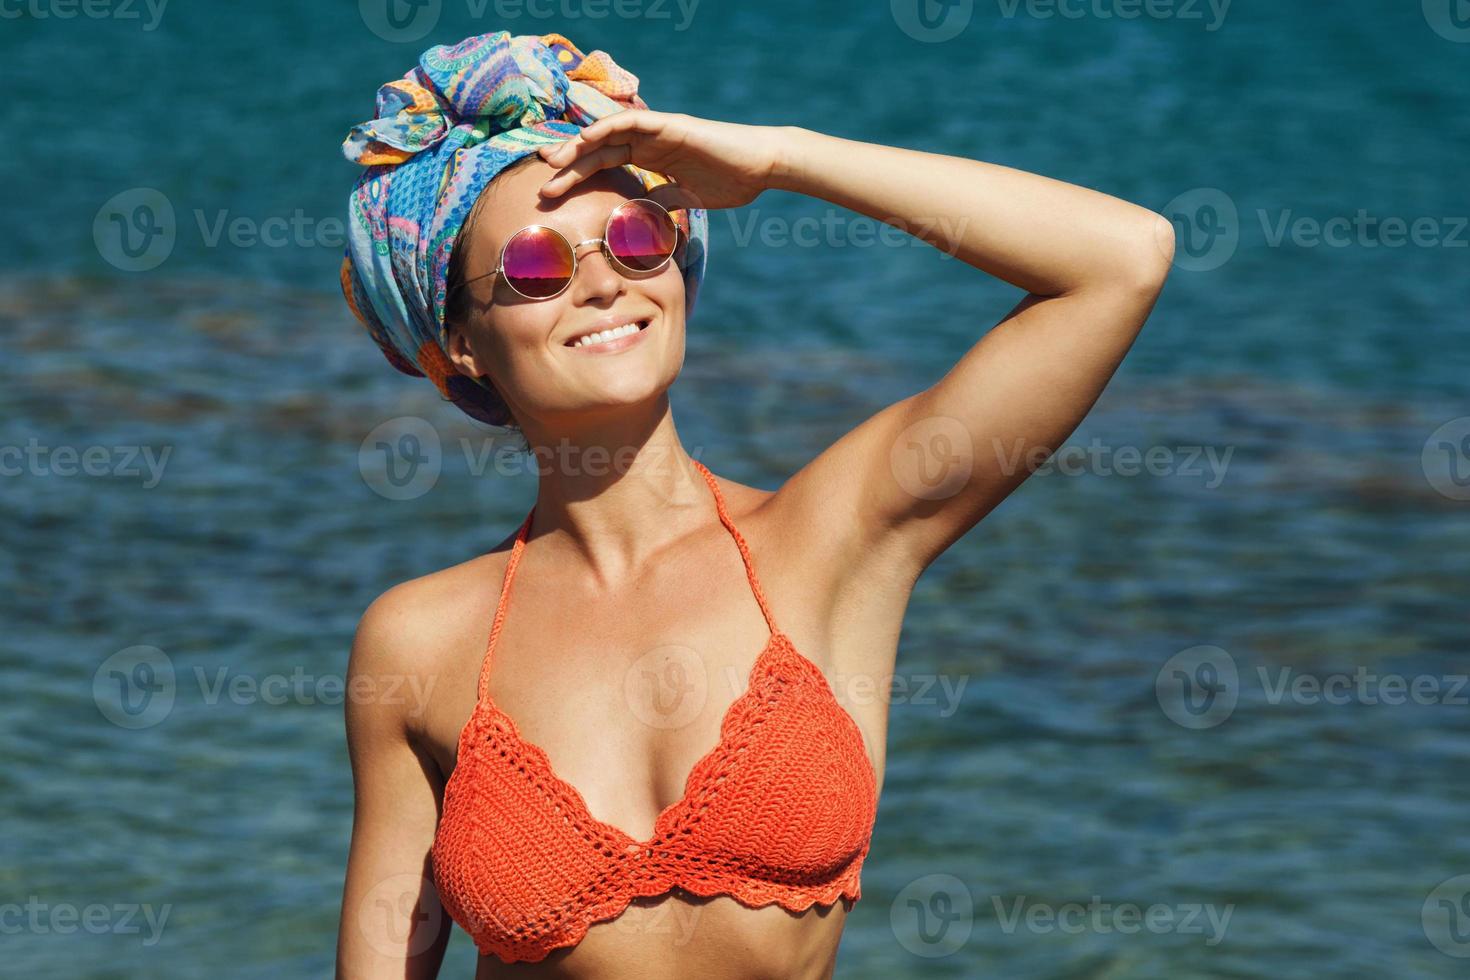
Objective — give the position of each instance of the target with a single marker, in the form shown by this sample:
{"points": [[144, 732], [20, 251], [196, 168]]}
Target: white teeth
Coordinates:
{"points": [[603, 336]]}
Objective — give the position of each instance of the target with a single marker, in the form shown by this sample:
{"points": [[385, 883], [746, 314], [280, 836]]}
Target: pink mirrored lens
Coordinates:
{"points": [[642, 236], [538, 262]]}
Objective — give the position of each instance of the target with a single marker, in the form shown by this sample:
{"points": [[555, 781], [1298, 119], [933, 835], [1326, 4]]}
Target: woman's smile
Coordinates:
{"points": [[614, 340]]}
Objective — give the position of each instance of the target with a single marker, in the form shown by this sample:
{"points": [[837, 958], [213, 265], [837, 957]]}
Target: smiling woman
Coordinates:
{"points": [[518, 343], [445, 133], [560, 806], [647, 237]]}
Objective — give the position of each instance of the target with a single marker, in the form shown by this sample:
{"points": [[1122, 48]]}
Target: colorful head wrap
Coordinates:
{"points": [[444, 130]]}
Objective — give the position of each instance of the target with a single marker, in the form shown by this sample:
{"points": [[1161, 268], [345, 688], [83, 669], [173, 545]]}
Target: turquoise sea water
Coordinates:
{"points": [[1066, 779]]}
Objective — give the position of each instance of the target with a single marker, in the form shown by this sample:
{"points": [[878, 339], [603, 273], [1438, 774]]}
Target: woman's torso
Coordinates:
{"points": [[568, 669]]}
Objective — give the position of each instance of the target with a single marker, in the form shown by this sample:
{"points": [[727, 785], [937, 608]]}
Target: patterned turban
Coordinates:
{"points": [[443, 131]]}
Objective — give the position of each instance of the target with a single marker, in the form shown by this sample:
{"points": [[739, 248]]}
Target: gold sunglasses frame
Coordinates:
{"points": [[601, 243]]}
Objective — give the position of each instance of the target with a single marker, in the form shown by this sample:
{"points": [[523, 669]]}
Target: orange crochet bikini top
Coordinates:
{"points": [[780, 810]]}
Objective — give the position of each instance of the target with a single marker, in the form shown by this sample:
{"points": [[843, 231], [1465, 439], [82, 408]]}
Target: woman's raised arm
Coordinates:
{"points": [[913, 478]]}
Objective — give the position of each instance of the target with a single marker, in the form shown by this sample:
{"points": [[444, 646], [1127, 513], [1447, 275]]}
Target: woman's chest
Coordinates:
{"points": [[626, 693]]}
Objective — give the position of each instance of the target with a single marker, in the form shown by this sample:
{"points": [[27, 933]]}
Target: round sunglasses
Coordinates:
{"points": [[538, 262]]}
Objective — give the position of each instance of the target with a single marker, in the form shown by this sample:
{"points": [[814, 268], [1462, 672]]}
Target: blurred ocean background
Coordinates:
{"points": [[1119, 737]]}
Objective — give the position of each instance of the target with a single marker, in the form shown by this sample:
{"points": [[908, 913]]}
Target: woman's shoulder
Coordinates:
{"points": [[413, 629]]}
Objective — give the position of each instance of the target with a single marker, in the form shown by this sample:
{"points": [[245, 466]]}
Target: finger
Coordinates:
{"points": [[584, 167], [675, 197], [629, 120], [620, 127]]}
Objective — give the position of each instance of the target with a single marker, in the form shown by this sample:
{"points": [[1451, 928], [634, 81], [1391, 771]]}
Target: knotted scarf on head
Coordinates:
{"points": [[444, 130]]}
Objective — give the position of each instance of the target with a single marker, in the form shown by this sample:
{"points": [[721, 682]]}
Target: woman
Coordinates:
{"points": [[576, 819]]}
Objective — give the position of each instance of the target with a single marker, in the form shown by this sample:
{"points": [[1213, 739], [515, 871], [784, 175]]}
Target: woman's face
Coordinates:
{"points": [[524, 345]]}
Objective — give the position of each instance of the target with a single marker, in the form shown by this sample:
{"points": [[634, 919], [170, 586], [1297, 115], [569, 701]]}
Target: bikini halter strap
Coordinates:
{"points": [[518, 549]]}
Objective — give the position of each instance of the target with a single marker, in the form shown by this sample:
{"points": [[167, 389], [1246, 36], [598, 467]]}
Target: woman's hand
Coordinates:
{"points": [[722, 165]]}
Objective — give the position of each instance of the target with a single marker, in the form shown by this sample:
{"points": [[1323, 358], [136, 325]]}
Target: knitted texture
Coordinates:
{"points": [[779, 811]]}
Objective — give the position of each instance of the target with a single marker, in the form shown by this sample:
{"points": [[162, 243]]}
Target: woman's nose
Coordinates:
{"points": [[595, 277]]}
